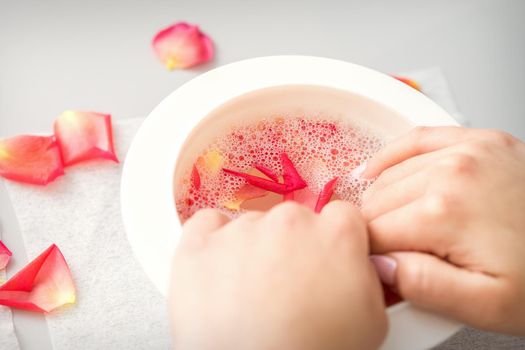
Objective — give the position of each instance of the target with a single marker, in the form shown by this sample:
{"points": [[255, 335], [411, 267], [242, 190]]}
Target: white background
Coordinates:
{"points": [[96, 55]]}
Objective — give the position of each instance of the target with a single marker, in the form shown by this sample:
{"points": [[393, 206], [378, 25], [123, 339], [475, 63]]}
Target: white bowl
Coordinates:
{"points": [[148, 208]]}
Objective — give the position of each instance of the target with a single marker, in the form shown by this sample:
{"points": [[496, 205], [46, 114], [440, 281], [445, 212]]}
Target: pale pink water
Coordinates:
{"points": [[320, 149]]}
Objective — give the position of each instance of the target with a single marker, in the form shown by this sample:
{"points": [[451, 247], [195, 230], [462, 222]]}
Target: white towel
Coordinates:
{"points": [[117, 306], [8, 340]]}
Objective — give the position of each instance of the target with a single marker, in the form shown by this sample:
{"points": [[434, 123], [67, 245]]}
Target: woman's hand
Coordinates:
{"points": [[285, 279], [448, 210]]}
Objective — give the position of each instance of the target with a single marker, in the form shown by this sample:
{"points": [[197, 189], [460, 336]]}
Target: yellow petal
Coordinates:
{"points": [[212, 161]]}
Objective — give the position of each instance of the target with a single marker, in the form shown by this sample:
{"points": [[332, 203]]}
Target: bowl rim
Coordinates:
{"points": [[146, 178]]}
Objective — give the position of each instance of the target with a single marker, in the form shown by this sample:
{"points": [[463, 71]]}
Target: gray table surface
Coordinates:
{"points": [[95, 55]]}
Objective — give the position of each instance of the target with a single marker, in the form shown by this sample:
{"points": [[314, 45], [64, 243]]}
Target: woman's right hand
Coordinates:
{"points": [[447, 219]]}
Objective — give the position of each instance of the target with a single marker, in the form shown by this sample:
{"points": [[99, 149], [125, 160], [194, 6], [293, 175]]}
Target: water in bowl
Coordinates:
{"points": [[321, 149], [326, 133]]}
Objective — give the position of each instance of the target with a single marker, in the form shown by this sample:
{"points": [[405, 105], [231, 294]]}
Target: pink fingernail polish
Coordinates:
{"points": [[385, 267]]}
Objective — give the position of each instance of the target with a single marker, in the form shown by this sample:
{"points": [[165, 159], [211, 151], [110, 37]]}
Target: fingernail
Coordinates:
{"points": [[358, 171], [385, 267]]}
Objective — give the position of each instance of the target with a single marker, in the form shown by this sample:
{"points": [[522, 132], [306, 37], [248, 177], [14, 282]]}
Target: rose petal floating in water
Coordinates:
{"points": [[291, 176], [30, 159], [304, 196], [195, 178], [325, 195], [310, 200], [182, 45], [408, 81], [244, 194], [260, 182], [211, 162], [292, 181], [42, 286], [5, 255], [84, 136], [267, 172]]}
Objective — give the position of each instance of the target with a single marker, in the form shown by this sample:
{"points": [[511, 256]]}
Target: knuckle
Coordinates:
{"points": [[479, 146], [343, 216], [247, 219], [421, 130], [250, 216], [346, 226], [419, 133], [460, 165], [287, 214], [288, 208], [501, 138]]}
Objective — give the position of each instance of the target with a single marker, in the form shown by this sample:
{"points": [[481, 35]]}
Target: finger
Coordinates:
{"points": [[434, 284], [395, 195], [342, 219], [243, 225], [202, 223], [250, 216], [288, 215], [418, 141], [404, 169], [425, 225]]}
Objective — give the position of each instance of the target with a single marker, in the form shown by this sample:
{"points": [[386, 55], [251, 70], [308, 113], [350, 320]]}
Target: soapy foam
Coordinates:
{"points": [[320, 149]]}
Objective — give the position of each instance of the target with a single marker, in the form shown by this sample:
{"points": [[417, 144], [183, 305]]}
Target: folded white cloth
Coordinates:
{"points": [[435, 86], [117, 306]]}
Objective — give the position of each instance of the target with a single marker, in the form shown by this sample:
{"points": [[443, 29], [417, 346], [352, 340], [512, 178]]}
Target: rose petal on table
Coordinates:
{"points": [[245, 193], [83, 136], [5, 255], [30, 159], [42, 285], [182, 45], [408, 81]]}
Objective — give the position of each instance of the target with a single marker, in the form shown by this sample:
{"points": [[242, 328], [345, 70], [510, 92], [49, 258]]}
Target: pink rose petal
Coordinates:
{"points": [[304, 196], [325, 195], [5, 255], [30, 159], [42, 285], [245, 193], [83, 136], [182, 45], [408, 81], [267, 172], [195, 177]]}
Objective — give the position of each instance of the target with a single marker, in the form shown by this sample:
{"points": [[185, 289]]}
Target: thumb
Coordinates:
{"points": [[434, 284]]}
